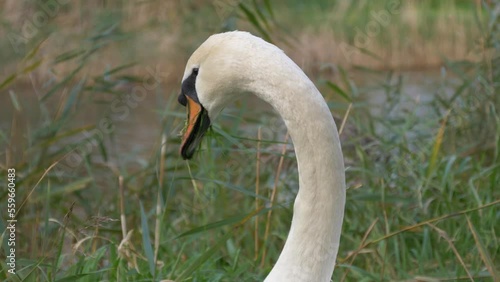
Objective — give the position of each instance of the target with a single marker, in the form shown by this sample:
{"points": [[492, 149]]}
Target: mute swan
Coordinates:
{"points": [[234, 64]]}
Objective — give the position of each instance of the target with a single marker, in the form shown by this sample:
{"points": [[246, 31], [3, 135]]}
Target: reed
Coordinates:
{"points": [[89, 121]]}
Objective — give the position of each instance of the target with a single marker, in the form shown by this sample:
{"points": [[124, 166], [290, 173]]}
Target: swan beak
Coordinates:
{"points": [[198, 123]]}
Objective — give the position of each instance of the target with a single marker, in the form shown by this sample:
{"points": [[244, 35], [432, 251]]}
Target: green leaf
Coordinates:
{"points": [[72, 99], [254, 21], [204, 257], [483, 251], [68, 56], [32, 67], [119, 68], [267, 4], [8, 80], [33, 51], [233, 187], [72, 277], [15, 101], [69, 188], [338, 90], [82, 275], [63, 82], [260, 14], [228, 221], [370, 53], [437, 146], [92, 263], [146, 242], [63, 135]]}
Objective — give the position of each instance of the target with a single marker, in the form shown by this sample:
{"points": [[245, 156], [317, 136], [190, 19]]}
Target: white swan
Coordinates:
{"points": [[233, 64]]}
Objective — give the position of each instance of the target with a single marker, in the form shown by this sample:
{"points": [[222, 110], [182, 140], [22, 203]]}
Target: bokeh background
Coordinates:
{"points": [[90, 122]]}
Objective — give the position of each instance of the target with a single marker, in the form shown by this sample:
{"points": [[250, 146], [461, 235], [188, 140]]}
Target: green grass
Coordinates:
{"points": [[422, 202], [343, 18]]}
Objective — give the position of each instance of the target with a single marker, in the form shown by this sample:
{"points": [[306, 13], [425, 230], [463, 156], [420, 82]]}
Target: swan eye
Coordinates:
{"points": [[195, 71]]}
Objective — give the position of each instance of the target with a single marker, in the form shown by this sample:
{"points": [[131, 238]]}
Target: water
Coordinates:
{"points": [[137, 126]]}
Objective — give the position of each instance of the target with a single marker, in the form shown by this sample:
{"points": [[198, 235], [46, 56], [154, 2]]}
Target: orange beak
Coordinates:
{"points": [[197, 124], [193, 110]]}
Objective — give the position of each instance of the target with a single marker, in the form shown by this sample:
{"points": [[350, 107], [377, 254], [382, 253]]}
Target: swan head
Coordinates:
{"points": [[217, 73]]}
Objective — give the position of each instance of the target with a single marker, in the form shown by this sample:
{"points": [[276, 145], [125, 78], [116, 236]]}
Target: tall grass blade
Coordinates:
{"points": [[437, 146], [72, 278], [73, 95], [71, 187], [58, 257], [120, 68], [83, 275], [32, 67], [242, 190], [68, 56], [91, 263], [67, 79], [14, 100], [204, 257], [260, 14], [8, 80], [445, 236], [257, 191], [267, 4], [31, 54], [339, 91], [228, 221], [254, 21], [146, 241], [483, 252]]}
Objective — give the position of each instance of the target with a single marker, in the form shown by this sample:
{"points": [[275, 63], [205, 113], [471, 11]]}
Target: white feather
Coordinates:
{"points": [[234, 64]]}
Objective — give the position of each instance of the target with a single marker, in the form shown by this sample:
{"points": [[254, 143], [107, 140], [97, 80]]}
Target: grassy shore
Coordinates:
{"points": [[89, 121]]}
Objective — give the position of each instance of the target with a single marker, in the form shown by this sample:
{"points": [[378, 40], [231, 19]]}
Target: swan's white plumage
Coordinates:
{"points": [[234, 64]]}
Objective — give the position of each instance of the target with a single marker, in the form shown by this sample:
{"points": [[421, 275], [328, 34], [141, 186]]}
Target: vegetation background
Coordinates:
{"points": [[89, 121]]}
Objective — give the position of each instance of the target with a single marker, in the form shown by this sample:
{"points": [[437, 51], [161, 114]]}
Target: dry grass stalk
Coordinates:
{"points": [[273, 196]]}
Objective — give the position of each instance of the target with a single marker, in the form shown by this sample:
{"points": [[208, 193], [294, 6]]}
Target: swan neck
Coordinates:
{"points": [[312, 244]]}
